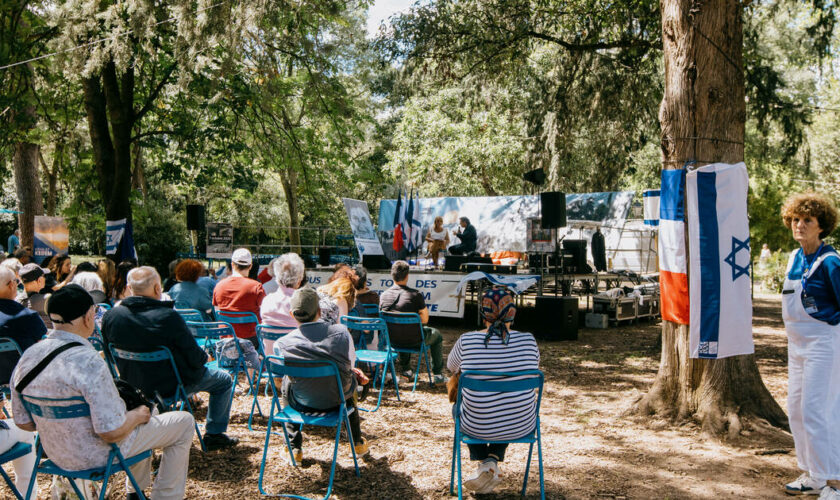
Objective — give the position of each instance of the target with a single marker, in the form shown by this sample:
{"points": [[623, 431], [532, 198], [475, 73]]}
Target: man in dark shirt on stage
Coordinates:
{"points": [[468, 238], [402, 298]]}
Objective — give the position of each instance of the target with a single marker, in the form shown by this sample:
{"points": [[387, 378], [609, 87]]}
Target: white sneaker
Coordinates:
{"points": [[388, 378], [483, 476], [408, 374], [830, 493], [439, 379], [494, 481], [804, 485]]}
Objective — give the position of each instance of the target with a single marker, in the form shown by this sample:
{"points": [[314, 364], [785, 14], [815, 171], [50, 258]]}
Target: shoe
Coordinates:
{"points": [[830, 493], [804, 485], [408, 374], [132, 496], [494, 481], [298, 454], [439, 379], [213, 442], [362, 448], [482, 478], [362, 392], [388, 378]]}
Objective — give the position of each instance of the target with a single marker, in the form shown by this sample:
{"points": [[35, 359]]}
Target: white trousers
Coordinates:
{"points": [[171, 432], [23, 465]]}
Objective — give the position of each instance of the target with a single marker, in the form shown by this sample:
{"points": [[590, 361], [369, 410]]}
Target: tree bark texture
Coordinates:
{"points": [[28, 187], [702, 117], [289, 179]]}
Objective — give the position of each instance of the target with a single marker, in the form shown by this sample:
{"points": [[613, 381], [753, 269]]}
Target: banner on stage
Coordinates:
{"points": [[439, 290], [719, 254], [52, 237], [219, 240], [360, 223]]}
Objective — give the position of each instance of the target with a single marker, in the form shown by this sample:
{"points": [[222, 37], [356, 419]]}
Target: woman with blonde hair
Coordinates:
{"points": [[107, 271], [438, 240], [811, 311], [338, 296]]}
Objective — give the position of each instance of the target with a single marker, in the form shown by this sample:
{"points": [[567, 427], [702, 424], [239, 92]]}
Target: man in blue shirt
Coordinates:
{"points": [[20, 324], [13, 242]]}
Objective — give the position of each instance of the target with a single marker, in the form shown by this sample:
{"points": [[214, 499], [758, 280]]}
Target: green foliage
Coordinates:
{"points": [[770, 274], [160, 232]]}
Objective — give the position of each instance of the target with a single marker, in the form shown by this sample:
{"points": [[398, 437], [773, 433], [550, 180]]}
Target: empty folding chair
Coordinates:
{"points": [[18, 450], [383, 359]]}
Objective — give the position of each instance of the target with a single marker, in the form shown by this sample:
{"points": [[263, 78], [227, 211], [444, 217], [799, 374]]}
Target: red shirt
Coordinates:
{"points": [[264, 277], [239, 294]]}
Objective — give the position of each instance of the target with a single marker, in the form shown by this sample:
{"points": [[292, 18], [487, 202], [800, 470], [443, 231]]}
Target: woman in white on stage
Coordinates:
{"points": [[811, 310], [438, 240]]}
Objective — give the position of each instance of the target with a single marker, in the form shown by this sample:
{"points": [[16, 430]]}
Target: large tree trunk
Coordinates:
{"points": [[28, 187], [289, 179], [52, 177], [702, 118]]}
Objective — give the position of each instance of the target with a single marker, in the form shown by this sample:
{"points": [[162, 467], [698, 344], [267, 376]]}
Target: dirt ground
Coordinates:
{"points": [[591, 448]]}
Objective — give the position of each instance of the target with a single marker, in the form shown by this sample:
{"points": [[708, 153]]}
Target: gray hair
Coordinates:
{"points": [[288, 269], [142, 279], [12, 264], [6, 275], [90, 281]]}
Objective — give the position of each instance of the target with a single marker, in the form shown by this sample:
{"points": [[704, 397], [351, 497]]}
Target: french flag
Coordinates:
{"points": [[673, 280], [719, 249], [651, 207]]}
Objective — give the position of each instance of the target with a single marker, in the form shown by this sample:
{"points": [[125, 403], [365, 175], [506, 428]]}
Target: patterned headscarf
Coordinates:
{"points": [[498, 309]]}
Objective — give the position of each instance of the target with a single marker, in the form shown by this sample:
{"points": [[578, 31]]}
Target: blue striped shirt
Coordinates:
{"points": [[493, 415]]}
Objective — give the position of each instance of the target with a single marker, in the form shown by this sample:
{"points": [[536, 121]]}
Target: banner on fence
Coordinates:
{"points": [[219, 240]]}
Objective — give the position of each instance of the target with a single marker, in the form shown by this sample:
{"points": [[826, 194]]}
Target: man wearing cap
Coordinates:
{"points": [[79, 371], [34, 280], [316, 340], [16, 322], [239, 293], [142, 323]]}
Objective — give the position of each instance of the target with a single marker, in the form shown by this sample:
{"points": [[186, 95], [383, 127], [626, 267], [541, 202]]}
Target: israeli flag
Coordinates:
{"points": [[719, 261]]}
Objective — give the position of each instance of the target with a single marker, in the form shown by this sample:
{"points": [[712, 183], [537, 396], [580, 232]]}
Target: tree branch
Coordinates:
{"points": [[150, 99]]}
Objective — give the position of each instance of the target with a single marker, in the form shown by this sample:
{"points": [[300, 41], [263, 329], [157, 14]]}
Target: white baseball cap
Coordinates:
{"points": [[241, 256]]}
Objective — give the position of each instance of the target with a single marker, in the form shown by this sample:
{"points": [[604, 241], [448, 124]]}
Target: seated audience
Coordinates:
{"points": [[270, 285], [13, 264], [239, 293], [170, 280], [338, 296], [276, 307], [120, 283], [207, 281], [85, 267], [402, 298], [16, 322], [33, 278], [83, 443], [315, 340], [494, 416], [62, 269], [364, 295], [10, 435], [187, 294], [91, 282], [142, 322], [107, 271], [23, 255]]}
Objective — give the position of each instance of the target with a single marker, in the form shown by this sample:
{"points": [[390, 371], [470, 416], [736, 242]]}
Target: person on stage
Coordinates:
{"points": [[468, 238], [438, 240], [811, 311]]}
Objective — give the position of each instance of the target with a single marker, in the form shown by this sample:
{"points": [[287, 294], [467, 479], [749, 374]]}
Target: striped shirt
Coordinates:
{"points": [[493, 415]]}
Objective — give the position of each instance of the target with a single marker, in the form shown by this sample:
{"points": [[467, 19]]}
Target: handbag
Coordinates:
{"points": [[452, 387], [132, 396]]}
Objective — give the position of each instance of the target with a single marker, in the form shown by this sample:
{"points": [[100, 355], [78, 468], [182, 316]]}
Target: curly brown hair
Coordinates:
{"points": [[188, 270], [814, 204]]}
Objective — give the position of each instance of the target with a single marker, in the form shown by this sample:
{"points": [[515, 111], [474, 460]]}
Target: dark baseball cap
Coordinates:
{"points": [[31, 272], [68, 303], [304, 304]]}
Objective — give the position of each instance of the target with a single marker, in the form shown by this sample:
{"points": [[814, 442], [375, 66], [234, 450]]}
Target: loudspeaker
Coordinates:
{"points": [[557, 318], [553, 209], [324, 256], [536, 176], [576, 248], [379, 262], [195, 218]]}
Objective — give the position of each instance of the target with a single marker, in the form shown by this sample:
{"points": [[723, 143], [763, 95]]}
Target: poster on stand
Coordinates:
{"points": [[52, 237], [219, 240], [360, 223]]}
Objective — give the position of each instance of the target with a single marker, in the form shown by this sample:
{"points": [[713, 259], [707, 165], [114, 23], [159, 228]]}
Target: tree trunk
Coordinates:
{"points": [[702, 118], [28, 185], [289, 179], [52, 177]]}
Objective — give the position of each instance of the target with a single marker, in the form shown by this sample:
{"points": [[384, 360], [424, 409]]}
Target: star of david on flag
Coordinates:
{"points": [[719, 254]]}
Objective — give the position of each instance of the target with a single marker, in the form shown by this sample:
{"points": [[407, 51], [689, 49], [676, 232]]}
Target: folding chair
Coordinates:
{"points": [[422, 351], [180, 399], [498, 382], [190, 314], [212, 332], [305, 369], [264, 332], [75, 407], [18, 450], [8, 345], [371, 310], [383, 358]]}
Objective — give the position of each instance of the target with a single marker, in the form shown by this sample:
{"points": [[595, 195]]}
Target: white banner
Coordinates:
{"points": [[362, 227], [439, 289]]}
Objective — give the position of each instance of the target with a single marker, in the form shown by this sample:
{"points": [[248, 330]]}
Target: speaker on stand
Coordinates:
{"points": [[557, 318], [195, 223], [553, 216]]}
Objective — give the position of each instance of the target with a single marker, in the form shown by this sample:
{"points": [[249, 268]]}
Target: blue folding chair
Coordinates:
{"points": [[18, 450], [8, 345], [371, 310], [422, 351], [383, 358], [498, 382], [212, 332], [75, 407], [180, 399], [288, 415], [264, 332], [190, 314], [105, 306]]}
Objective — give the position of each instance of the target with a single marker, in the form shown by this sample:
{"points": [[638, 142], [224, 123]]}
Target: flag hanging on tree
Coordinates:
{"points": [[416, 228], [409, 225], [673, 277], [399, 220], [719, 255]]}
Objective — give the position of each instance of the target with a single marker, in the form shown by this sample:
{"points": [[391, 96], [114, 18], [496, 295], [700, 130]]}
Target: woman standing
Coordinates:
{"points": [[811, 310], [438, 240]]}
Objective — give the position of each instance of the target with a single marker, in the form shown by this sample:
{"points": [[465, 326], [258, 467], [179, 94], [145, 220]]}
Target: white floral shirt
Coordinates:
{"points": [[72, 443]]}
